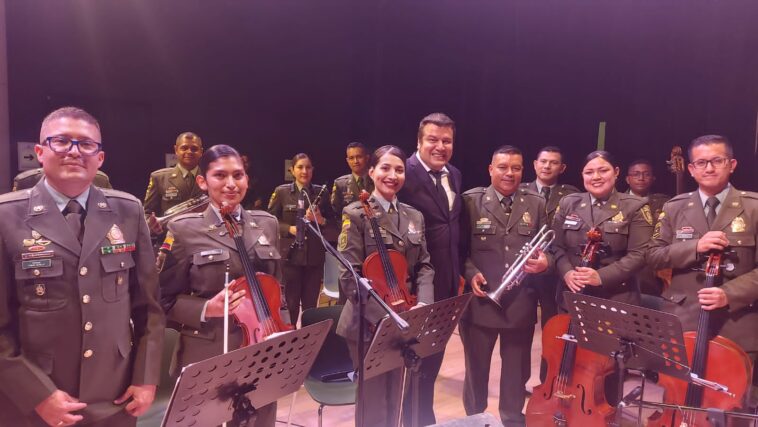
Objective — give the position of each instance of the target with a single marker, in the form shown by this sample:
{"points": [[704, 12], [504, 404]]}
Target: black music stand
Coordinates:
{"points": [[231, 386], [430, 328], [635, 337]]}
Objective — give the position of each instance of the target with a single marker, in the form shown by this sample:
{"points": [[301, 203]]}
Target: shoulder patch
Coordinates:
{"points": [[109, 192]]}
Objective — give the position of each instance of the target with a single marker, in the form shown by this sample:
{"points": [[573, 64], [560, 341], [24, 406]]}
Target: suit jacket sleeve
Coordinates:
{"points": [[22, 381], [424, 271], [147, 316], [628, 265], [180, 306], [152, 196]]}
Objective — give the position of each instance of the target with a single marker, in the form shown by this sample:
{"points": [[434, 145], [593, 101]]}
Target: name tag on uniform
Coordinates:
{"points": [[483, 224], [685, 233], [572, 219], [211, 252], [37, 263]]}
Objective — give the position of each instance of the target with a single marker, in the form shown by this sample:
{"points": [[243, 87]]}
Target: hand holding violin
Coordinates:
{"points": [[215, 307]]}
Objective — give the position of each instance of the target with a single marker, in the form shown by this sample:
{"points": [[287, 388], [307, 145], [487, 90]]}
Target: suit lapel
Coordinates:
{"points": [[251, 234], [731, 209], [428, 183], [100, 218], [695, 214], [384, 220], [584, 210], [608, 210], [517, 210], [216, 230], [45, 218], [492, 205]]}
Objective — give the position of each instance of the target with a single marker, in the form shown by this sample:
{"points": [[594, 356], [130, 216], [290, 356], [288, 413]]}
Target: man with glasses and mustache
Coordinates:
{"points": [[170, 186], [81, 328], [715, 217]]}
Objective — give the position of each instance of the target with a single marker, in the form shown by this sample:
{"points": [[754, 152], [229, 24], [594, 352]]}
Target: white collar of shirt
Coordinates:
{"points": [[593, 200], [237, 213], [500, 197], [384, 203], [721, 196], [61, 200], [185, 171], [540, 186], [445, 171]]}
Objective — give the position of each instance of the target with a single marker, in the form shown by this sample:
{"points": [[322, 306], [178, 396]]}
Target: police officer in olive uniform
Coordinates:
{"points": [[30, 178], [625, 222], [402, 229], [348, 187], [640, 178], [170, 186], [716, 217], [304, 264], [548, 167], [80, 322], [497, 222], [200, 250]]}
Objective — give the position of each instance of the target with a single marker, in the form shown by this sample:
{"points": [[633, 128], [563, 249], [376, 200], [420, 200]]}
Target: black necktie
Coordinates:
{"points": [[441, 193], [506, 203], [74, 213], [712, 202], [359, 183], [545, 193], [189, 180]]}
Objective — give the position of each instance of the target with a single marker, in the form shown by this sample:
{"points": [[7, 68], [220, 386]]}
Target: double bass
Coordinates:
{"points": [[716, 359], [258, 314], [386, 268], [573, 393]]}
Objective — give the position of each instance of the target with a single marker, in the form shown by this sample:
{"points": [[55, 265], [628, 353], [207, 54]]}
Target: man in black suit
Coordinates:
{"points": [[433, 186]]}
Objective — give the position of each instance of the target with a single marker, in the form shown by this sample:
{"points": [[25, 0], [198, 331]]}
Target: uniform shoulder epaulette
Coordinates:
{"points": [[475, 190], [527, 192], [680, 197], [572, 196], [627, 196], [260, 213], [15, 195], [27, 173], [162, 171], [109, 192], [187, 215], [282, 186], [343, 178], [568, 187], [523, 185], [749, 194]]}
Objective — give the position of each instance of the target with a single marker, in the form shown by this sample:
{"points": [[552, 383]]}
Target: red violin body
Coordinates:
{"points": [[575, 397], [373, 270], [255, 330]]}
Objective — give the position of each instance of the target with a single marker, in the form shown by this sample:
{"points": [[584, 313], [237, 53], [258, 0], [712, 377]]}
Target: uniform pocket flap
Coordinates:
{"points": [[616, 227], [738, 240], [267, 252], [209, 256], [116, 262]]}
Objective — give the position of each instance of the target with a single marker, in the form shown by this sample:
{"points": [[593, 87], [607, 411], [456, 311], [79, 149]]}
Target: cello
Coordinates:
{"points": [[716, 359], [573, 393], [386, 268], [258, 314]]}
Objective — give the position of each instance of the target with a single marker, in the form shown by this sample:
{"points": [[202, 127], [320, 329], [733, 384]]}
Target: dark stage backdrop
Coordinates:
{"points": [[275, 78]]}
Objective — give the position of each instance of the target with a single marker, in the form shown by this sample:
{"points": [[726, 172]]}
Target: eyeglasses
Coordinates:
{"points": [[640, 174], [717, 162], [62, 144]]}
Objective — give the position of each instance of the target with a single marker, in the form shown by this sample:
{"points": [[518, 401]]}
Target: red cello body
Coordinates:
{"points": [[574, 398], [573, 393], [258, 313], [386, 268], [717, 359]]}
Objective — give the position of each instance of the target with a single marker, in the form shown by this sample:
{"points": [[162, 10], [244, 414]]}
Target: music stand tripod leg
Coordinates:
{"points": [[244, 411], [412, 364], [625, 351]]}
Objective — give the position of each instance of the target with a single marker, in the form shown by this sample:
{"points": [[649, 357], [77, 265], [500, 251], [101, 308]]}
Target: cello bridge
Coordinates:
{"points": [[561, 395], [398, 302]]}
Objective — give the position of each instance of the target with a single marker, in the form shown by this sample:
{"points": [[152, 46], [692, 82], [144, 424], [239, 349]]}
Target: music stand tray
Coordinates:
{"points": [[230, 386]]}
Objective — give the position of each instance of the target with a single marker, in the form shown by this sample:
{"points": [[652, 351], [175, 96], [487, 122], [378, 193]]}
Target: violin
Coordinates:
{"points": [[258, 314], [573, 393], [716, 359], [386, 268]]}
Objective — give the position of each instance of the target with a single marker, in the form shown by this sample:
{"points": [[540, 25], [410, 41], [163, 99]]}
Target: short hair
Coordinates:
{"points": [[439, 119], [506, 149], [645, 162], [214, 153], [356, 144], [300, 156], [708, 140], [605, 155], [71, 112], [188, 135], [387, 149], [551, 149]]}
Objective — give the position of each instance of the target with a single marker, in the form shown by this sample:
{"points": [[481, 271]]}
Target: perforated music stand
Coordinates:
{"points": [[231, 386], [430, 329]]}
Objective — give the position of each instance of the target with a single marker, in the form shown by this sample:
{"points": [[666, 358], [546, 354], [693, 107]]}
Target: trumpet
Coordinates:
{"points": [[194, 204], [515, 273]]}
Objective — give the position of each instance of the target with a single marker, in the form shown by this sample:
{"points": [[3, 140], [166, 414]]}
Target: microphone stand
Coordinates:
{"points": [[364, 290]]}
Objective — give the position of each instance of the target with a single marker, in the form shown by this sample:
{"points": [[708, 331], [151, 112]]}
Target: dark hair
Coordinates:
{"points": [[214, 153], [386, 149], [356, 144], [506, 149], [188, 135], [551, 149], [708, 140], [608, 157], [439, 119], [71, 113], [645, 162], [300, 156]]}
